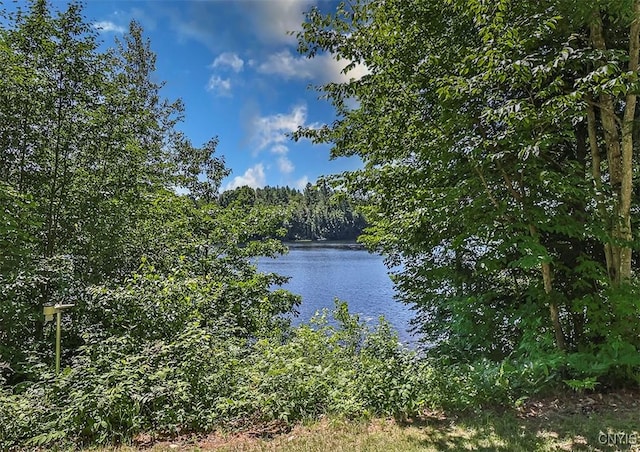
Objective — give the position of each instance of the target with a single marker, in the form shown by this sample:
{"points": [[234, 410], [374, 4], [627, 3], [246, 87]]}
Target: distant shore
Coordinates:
{"points": [[345, 244]]}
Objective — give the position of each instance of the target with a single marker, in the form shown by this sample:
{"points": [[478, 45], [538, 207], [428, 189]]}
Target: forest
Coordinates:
{"points": [[316, 213], [499, 148]]}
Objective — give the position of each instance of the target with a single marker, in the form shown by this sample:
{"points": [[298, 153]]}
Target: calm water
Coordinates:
{"points": [[320, 273]]}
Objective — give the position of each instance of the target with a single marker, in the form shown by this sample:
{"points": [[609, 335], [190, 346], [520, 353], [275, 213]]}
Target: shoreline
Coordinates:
{"points": [[340, 244]]}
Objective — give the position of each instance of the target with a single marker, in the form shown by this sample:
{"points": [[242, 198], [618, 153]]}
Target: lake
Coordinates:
{"points": [[320, 272]]}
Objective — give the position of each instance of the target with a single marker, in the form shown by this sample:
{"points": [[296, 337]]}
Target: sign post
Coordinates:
{"points": [[48, 312]]}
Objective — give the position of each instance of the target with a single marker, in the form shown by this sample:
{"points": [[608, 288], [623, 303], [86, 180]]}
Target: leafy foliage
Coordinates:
{"points": [[173, 329], [499, 147], [207, 377], [90, 170]]}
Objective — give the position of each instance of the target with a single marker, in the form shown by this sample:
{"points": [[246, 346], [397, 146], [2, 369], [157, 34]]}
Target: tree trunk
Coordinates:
{"points": [[627, 150], [554, 313], [619, 147], [597, 182], [545, 267]]}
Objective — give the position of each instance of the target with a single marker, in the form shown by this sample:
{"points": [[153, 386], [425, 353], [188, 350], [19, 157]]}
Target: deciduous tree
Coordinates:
{"points": [[498, 141]]}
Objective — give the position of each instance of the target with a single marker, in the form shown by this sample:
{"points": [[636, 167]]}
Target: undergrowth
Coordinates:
{"points": [[205, 379]]}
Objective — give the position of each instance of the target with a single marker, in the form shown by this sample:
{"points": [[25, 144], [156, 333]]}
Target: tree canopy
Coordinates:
{"points": [[499, 142]]}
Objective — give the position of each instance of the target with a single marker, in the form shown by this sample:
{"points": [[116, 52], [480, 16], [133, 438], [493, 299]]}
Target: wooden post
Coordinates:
{"points": [[48, 312]]}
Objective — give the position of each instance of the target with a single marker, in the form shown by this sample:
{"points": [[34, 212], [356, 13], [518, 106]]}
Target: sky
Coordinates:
{"points": [[240, 78]]}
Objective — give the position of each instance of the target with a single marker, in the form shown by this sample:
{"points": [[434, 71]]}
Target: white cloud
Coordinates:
{"points": [[286, 65], [273, 19], [323, 68], [253, 177], [230, 60], [334, 69], [272, 130], [301, 183], [219, 86], [265, 21], [280, 149], [285, 166], [106, 26]]}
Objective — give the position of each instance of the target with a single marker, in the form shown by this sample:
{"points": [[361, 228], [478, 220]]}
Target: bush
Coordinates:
{"points": [[205, 378], [202, 379]]}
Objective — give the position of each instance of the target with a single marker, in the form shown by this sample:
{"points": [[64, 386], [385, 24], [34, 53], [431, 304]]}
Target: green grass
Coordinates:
{"points": [[553, 425]]}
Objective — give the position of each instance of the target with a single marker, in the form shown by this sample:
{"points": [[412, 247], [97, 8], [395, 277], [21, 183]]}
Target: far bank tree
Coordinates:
{"points": [[316, 213], [500, 148]]}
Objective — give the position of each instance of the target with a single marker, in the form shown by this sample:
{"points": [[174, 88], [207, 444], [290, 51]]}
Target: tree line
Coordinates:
{"points": [[317, 212]]}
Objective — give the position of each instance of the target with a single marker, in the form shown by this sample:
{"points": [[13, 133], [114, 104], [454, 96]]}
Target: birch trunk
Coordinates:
{"points": [[619, 149], [627, 149]]}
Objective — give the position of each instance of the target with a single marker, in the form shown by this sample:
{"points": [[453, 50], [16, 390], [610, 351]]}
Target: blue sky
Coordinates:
{"points": [[238, 73]]}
